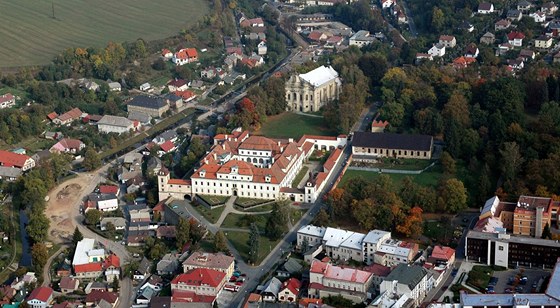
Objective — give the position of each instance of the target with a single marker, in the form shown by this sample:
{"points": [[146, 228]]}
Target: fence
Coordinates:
{"points": [[382, 170]]}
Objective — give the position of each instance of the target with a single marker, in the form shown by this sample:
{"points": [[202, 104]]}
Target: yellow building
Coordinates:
{"points": [[310, 91]]}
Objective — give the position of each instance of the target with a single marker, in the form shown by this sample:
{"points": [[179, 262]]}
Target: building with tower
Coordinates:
{"points": [[310, 91]]}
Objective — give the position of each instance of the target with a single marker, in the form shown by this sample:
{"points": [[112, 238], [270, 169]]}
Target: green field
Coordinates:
{"points": [[291, 125], [239, 241], [244, 221], [31, 36], [426, 178], [212, 215]]}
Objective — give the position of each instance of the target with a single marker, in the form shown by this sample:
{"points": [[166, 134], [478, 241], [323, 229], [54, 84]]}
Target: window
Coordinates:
{"points": [[501, 248]]}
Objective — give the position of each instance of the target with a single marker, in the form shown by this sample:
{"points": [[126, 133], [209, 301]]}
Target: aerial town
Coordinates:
{"points": [[309, 154]]}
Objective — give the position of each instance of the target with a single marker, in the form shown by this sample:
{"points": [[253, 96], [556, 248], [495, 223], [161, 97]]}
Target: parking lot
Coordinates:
{"points": [[533, 277]]}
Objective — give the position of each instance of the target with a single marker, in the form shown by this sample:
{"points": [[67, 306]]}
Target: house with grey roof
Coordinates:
{"points": [[150, 105], [118, 222], [9, 174], [271, 289], [140, 117], [115, 124], [168, 265], [368, 145], [408, 281]]}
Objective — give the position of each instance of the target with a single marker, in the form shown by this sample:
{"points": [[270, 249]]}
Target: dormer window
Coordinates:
{"points": [[234, 169], [202, 173], [267, 178]]}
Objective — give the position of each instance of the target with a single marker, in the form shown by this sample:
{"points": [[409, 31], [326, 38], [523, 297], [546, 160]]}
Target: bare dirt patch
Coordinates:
{"points": [[64, 202]]}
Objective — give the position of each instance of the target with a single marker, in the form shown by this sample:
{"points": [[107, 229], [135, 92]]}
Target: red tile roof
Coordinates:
{"points": [[69, 143], [443, 253], [199, 277], [97, 295], [378, 270], [177, 182], [87, 268], [331, 161], [165, 52], [112, 261], [42, 293], [53, 115], [186, 95], [167, 146], [306, 301], [177, 82], [190, 297], [293, 285], [515, 35], [108, 189], [11, 159], [186, 53], [70, 115], [68, 283], [340, 273]]}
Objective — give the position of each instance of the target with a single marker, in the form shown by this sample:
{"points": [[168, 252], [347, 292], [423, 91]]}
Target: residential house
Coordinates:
{"points": [[502, 24], [145, 296], [213, 72], [343, 245], [118, 223], [95, 286], [186, 96], [401, 17], [177, 85], [503, 49], [254, 22], [13, 160], [184, 56], [169, 135], [317, 36], [214, 261], [524, 5], [53, 135], [271, 289], [423, 56], [143, 270], [9, 174], [334, 41], [67, 145], [326, 279], [442, 255], [231, 78], [361, 38], [68, 117], [19, 283], [155, 283], [387, 3], [166, 54], [289, 291], [488, 38], [466, 26], [145, 87], [527, 54], [368, 146], [114, 86], [167, 265], [7, 100], [514, 15], [261, 48], [68, 284], [543, 42], [104, 202], [40, 297], [112, 267], [152, 106], [88, 270], [538, 16], [393, 252], [109, 189], [485, 8], [549, 8], [166, 232], [173, 100], [515, 38], [96, 297], [471, 51], [437, 50], [379, 272], [409, 281], [448, 41]]}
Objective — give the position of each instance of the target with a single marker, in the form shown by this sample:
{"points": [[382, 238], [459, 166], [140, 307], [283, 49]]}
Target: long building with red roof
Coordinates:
{"points": [[13, 160], [326, 279], [198, 285], [240, 164]]}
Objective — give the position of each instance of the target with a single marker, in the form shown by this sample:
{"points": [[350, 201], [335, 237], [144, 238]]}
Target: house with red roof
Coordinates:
{"points": [[68, 145], [253, 22], [289, 291], [109, 189], [184, 56], [40, 297], [177, 85], [13, 160], [68, 117], [326, 279], [200, 281], [112, 267], [168, 147], [68, 284], [463, 62], [7, 100], [186, 95], [88, 270], [166, 54], [442, 255], [515, 38], [95, 297]]}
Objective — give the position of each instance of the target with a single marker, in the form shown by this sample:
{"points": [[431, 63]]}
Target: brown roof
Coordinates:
{"points": [[72, 114], [68, 283], [97, 295], [209, 260]]}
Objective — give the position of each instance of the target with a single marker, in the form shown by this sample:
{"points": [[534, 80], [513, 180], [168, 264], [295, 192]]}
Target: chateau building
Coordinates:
{"points": [[254, 167], [310, 91]]}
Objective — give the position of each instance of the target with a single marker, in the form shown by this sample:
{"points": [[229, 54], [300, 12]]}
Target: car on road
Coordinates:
{"points": [[508, 290], [454, 272], [231, 287]]}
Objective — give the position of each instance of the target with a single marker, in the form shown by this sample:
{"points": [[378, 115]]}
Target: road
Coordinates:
{"points": [[411, 25]]}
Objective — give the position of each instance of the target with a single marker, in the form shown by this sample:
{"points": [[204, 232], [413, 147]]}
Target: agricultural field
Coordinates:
{"points": [[31, 36]]}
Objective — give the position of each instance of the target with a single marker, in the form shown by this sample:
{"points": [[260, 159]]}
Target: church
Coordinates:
{"points": [[310, 91]]}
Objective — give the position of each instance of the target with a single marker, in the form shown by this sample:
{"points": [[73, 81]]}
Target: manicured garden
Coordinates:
{"points": [[212, 215], [245, 203], [213, 200], [292, 125], [479, 277]]}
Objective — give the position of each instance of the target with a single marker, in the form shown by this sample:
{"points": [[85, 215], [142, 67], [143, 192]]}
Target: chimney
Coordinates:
{"points": [[223, 146]]}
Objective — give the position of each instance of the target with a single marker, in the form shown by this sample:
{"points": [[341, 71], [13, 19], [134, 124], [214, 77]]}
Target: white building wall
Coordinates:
{"points": [[113, 129], [108, 205], [501, 255]]}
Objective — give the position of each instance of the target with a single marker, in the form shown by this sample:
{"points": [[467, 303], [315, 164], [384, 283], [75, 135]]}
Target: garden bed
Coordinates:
{"points": [[247, 203], [212, 201]]}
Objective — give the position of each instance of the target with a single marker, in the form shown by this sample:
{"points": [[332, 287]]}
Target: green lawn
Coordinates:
{"points": [[212, 215], [427, 178], [479, 276], [402, 164], [14, 91], [80, 23], [244, 221], [299, 176], [214, 200], [239, 241], [264, 208], [244, 203], [291, 125], [437, 231], [32, 144]]}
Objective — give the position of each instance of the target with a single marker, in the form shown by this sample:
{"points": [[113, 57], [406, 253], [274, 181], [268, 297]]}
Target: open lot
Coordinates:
{"points": [[34, 37], [533, 275], [239, 241], [291, 125]]}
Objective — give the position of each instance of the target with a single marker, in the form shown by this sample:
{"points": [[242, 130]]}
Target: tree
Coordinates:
{"points": [[253, 243], [93, 217], [452, 196], [412, 225], [115, 284], [183, 233], [438, 19], [220, 244], [277, 223], [448, 163], [322, 218], [38, 226], [91, 160], [546, 233], [511, 160], [77, 236], [39, 256]]}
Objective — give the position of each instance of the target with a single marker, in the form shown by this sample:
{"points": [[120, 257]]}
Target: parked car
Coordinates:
{"points": [[231, 287], [508, 290]]}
